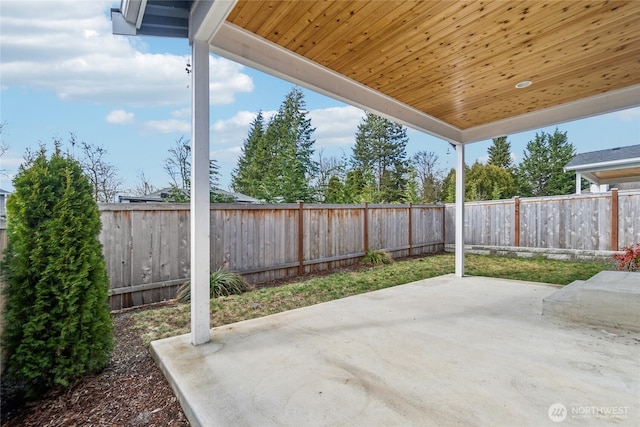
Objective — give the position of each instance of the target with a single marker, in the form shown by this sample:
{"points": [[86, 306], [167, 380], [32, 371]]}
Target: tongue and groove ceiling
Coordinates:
{"points": [[446, 67]]}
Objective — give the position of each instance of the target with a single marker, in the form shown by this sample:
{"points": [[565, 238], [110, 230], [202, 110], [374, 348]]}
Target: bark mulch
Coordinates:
{"points": [[130, 391]]}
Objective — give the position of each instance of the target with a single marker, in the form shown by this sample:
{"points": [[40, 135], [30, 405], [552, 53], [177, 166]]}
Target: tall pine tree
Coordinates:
{"points": [[277, 163], [500, 153], [380, 151], [247, 175]]}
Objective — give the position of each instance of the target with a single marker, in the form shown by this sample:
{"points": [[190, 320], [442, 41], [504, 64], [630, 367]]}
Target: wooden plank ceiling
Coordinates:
{"points": [[459, 61]]}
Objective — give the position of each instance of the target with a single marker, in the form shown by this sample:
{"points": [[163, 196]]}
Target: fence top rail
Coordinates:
{"points": [[160, 206], [405, 206], [635, 192], [163, 206], [605, 195], [583, 196], [485, 202]]}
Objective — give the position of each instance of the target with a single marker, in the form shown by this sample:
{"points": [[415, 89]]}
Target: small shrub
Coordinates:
{"points": [[222, 283], [376, 257], [630, 259]]}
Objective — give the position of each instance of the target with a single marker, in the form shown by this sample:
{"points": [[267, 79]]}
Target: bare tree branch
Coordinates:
{"points": [[144, 187], [102, 175]]}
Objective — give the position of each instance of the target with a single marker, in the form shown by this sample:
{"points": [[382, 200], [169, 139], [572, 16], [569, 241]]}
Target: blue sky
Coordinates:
{"points": [[62, 71]]}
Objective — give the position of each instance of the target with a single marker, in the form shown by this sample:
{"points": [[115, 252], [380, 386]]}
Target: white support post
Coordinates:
{"points": [[460, 210], [200, 228], [578, 183]]}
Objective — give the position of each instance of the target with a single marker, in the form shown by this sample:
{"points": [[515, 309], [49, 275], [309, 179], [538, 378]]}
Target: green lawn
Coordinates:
{"points": [[169, 321]]}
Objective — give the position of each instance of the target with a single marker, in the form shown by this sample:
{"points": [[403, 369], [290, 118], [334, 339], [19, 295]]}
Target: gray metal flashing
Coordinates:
{"points": [[611, 158], [163, 18]]}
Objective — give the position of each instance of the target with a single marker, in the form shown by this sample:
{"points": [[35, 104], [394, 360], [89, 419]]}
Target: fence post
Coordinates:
{"points": [[300, 238], [366, 226], [614, 219], [410, 229], [516, 220], [444, 225]]}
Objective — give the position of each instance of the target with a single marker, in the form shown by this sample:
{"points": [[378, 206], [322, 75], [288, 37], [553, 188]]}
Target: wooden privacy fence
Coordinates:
{"points": [[147, 246], [598, 221]]}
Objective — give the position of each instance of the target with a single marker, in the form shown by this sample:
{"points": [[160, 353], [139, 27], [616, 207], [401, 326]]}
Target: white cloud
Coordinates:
{"points": [[119, 117], [168, 126], [10, 160], [181, 113], [242, 120], [67, 47], [630, 115], [226, 156], [336, 126], [235, 129]]}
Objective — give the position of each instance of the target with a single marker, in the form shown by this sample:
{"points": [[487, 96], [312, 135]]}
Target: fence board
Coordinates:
{"points": [[628, 218], [147, 249]]}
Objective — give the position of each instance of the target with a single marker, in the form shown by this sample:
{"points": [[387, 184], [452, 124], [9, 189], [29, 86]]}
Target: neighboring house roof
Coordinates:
{"points": [[240, 198], [162, 196], [4, 191], [612, 166]]}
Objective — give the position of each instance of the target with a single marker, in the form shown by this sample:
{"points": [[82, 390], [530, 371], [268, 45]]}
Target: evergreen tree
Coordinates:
{"points": [[482, 182], [541, 172], [449, 187], [412, 191], [500, 153], [57, 323], [289, 137], [335, 192], [277, 163], [355, 185], [248, 174], [380, 151], [488, 182]]}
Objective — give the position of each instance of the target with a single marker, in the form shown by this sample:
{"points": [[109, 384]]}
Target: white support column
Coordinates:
{"points": [[460, 210], [200, 232], [578, 183]]}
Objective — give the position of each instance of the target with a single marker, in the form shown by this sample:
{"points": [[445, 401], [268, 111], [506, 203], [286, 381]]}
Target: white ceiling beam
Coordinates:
{"points": [[207, 16], [596, 105], [241, 46]]}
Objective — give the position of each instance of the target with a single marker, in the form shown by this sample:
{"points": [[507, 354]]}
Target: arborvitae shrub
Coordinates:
{"points": [[57, 322]]}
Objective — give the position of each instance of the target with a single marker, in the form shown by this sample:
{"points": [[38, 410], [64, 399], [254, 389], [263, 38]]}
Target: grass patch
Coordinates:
{"points": [[170, 321]]}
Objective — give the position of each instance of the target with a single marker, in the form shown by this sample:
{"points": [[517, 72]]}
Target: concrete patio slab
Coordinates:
{"points": [[438, 352]]}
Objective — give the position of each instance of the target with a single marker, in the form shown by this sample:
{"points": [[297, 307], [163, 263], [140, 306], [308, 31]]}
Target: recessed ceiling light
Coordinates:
{"points": [[523, 84]]}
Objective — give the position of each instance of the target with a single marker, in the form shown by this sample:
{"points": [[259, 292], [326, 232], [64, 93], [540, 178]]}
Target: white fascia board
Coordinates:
{"points": [[239, 45], [207, 16], [120, 26], [633, 162], [588, 107], [143, 8]]}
